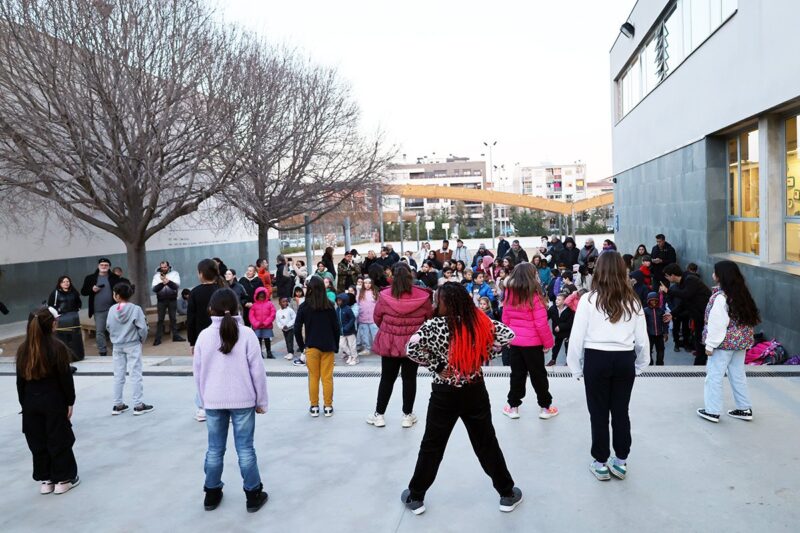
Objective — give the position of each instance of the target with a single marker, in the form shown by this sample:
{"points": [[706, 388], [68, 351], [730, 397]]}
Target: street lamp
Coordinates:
{"points": [[491, 169]]}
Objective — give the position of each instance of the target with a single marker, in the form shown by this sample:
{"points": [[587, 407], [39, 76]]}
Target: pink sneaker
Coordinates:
{"points": [[511, 412], [548, 412], [47, 487]]}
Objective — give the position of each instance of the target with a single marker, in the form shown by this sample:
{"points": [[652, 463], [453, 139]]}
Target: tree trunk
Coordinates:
{"points": [[138, 274], [263, 241]]}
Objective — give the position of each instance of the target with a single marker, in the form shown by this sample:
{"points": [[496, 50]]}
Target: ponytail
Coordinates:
{"points": [[32, 354], [225, 303]]}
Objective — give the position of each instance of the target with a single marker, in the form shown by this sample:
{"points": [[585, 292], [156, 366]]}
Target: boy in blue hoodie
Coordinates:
{"points": [[127, 329], [347, 326], [657, 329]]}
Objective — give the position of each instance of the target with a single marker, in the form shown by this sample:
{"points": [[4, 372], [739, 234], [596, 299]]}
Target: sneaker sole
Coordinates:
{"points": [[548, 416], [47, 492], [511, 416], [376, 424], [601, 477], [617, 474], [709, 418], [748, 418], [328, 415], [115, 413], [509, 508], [144, 412], [418, 511], [406, 425]]}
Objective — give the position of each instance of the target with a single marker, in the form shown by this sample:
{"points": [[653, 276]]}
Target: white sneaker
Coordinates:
{"points": [[288, 357], [200, 415], [409, 420], [364, 353], [65, 486], [47, 487], [376, 420], [548, 412]]}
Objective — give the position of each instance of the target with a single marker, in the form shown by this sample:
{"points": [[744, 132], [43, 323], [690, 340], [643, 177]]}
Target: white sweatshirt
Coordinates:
{"points": [[285, 318], [718, 321], [592, 329]]}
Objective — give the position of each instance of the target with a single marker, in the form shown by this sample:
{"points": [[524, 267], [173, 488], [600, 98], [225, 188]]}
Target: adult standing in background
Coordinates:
{"points": [[249, 282], [347, 273], [66, 300], [502, 247], [422, 253], [588, 253], [482, 252], [233, 284], [461, 253], [284, 278], [694, 296], [569, 254], [327, 260], [445, 253], [166, 284], [663, 254], [98, 287], [370, 260], [262, 266], [518, 253], [392, 256]]}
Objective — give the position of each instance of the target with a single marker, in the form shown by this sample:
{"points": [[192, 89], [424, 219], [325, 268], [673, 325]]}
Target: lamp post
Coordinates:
{"points": [[491, 170]]}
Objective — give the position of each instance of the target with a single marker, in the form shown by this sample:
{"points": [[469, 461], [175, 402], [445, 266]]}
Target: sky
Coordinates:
{"points": [[443, 76]]}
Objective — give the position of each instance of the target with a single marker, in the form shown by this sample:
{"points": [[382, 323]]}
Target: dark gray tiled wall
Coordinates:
{"points": [[25, 285], [683, 195]]}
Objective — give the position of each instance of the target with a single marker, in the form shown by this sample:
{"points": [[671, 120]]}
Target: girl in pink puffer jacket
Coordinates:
{"points": [[525, 312], [261, 316]]}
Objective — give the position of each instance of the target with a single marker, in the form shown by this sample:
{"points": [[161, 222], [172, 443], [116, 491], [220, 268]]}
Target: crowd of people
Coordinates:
{"points": [[448, 309]]}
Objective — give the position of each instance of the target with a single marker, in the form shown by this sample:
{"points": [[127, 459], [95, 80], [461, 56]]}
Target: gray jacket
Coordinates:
{"points": [[126, 324]]}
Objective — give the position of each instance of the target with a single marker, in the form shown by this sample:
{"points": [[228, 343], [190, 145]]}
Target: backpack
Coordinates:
{"points": [[766, 353]]}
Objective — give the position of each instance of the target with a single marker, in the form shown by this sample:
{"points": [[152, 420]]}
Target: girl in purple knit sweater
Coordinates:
{"points": [[232, 385]]}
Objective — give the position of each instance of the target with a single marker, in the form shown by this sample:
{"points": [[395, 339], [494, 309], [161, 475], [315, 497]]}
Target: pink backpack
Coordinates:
{"points": [[759, 353]]}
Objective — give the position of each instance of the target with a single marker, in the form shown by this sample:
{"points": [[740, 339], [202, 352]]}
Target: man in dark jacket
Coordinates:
{"points": [[588, 253], [347, 272], [554, 250], [284, 277], [477, 259], [392, 256], [249, 282], [166, 283], [663, 254], [98, 286], [569, 255], [517, 253], [502, 247], [694, 295]]}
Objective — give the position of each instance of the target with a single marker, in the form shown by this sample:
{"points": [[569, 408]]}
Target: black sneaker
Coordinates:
{"points": [[142, 408], [741, 414], [103, 354], [156, 342], [328, 410], [314, 411], [509, 503], [73, 369], [297, 362], [178, 338], [256, 499], [212, 499], [270, 356], [708, 416], [119, 409], [415, 506]]}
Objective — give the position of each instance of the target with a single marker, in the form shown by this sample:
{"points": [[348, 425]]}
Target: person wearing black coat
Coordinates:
{"points": [[327, 260], [694, 296], [569, 254], [99, 287], [662, 254], [640, 287], [561, 319], [502, 248], [284, 278], [249, 282], [428, 276], [67, 301]]}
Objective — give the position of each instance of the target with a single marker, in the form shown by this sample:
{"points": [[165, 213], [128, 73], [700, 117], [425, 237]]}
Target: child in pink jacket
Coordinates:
{"points": [[262, 315], [525, 312]]}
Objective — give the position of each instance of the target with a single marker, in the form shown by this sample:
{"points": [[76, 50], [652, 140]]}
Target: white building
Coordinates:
{"points": [[556, 182]]}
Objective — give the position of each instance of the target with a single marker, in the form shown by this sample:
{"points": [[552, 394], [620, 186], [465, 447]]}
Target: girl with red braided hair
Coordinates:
{"points": [[454, 345]]}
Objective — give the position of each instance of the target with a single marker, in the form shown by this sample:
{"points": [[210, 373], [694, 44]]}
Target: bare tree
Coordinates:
{"points": [[308, 156], [122, 114]]}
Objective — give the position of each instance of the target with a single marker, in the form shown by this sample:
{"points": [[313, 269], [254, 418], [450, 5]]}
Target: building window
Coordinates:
{"points": [[743, 193], [671, 39], [791, 219]]}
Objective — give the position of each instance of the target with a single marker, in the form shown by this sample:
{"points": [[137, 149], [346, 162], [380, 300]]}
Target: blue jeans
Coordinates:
{"points": [[733, 362], [366, 335], [244, 424]]}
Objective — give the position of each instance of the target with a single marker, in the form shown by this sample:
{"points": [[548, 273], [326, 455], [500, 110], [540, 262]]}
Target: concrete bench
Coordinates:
{"points": [[88, 329]]}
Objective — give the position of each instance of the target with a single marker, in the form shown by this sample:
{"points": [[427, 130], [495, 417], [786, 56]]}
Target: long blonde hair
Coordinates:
{"points": [[614, 295]]}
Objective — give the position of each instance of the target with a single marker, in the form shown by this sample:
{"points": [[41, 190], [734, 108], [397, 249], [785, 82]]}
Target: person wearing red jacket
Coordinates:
{"points": [[525, 313], [264, 275], [262, 315], [399, 313]]}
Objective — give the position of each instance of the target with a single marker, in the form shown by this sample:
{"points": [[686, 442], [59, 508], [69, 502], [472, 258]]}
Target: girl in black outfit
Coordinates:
{"points": [[327, 260], [377, 275], [47, 393], [67, 301]]}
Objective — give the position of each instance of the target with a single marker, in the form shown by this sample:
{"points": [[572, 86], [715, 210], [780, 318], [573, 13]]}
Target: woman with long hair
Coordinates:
{"points": [[638, 257], [525, 312], [609, 347], [46, 393], [317, 318], [327, 260], [458, 272], [66, 299], [367, 300], [731, 315], [454, 345], [400, 311], [230, 380]]}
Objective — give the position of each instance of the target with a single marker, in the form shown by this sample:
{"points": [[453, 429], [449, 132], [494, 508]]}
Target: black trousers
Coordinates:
{"points": [[608, 378], [390, 367], [681, 334], [528, 361], [164, 306], [288, 336], [557, 347], [657, 342], [471, 404], [49, 434], [699, 360]]}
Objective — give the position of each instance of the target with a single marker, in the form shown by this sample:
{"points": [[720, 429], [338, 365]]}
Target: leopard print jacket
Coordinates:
{"points": [[430, 345]]}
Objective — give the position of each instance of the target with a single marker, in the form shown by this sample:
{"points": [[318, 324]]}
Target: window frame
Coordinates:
{"points": [[785, 217], [729, 218]]}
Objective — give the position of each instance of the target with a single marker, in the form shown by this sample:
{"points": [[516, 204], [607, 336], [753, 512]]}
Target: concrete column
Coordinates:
{"points": [[402, 228], [771, 183], [309, 251], [380, 216], [348, 242]]}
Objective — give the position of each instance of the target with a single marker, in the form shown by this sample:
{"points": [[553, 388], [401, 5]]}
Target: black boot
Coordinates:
{"points": [[256, 498], [213, 497]]}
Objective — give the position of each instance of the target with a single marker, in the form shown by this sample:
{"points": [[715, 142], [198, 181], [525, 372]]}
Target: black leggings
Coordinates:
{"points": [[471, 404], [525, 361], [390, 367]]}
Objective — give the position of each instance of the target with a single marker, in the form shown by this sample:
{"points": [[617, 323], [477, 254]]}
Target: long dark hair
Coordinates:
{"points": [[316, 294], [208, 269], [615, 296], [402, 280], [32, 354], [741, 306], [225, 303], [471, 331], [376, 274], [523, 285], [328, 253], [637, 255]]}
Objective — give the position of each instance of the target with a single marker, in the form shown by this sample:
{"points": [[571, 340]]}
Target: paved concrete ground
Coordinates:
{"points": [[339, 474]]}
